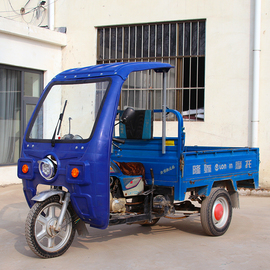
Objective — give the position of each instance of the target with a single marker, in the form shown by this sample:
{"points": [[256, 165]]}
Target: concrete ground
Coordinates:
{"points": [[168, 245]]}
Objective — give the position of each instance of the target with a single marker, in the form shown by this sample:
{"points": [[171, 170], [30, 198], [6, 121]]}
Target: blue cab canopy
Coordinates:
{"points": [[91, 198], [122, 69]]}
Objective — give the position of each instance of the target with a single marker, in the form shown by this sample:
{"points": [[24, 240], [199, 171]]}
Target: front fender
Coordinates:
{"points": [[42, 196]]}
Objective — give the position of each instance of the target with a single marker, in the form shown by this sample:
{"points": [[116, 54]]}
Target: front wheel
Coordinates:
{"points": [[40, 235], [216, 212]]}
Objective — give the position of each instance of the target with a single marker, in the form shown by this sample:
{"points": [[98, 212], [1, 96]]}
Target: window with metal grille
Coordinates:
{"points": [[182, 44], [20, 89]]}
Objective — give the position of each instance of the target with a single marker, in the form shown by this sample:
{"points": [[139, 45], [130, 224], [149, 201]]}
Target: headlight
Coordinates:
{"points": [[47, 168]]}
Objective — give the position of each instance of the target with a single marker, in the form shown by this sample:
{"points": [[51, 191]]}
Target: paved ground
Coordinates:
{"points": [[168, 245]]}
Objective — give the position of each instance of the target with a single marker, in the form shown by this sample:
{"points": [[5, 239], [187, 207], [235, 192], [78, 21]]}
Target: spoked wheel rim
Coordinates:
{"points": [[46, 236], [220, 212]]}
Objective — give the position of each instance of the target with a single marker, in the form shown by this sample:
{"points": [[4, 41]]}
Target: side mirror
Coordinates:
{"points": [[128, 113]]}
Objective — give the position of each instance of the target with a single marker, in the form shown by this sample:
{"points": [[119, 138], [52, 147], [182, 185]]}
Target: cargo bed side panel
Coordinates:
{"points": [[203, 168]]}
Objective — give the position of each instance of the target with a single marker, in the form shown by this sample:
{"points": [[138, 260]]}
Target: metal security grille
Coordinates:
{"points": [[182, 44]]}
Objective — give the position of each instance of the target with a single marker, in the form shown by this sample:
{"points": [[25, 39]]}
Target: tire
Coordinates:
{"points": [[43, 240], [216, 212], [148, 223]]}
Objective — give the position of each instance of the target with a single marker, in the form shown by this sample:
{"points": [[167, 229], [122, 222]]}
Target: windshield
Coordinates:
{"points": [[68, 112]]}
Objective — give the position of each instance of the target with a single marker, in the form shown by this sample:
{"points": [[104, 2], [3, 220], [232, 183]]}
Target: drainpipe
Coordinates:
{"points": [[51, 14], [256, 75]]}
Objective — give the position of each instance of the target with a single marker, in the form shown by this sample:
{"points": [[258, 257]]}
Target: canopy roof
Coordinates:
{"points": [[122, 69]]}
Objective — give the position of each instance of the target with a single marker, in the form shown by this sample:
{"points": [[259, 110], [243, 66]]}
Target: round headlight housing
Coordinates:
{"points": [[47, 168]]}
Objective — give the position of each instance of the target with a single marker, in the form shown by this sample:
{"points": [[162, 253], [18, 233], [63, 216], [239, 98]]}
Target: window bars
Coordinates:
{"points": [[182, 44]]}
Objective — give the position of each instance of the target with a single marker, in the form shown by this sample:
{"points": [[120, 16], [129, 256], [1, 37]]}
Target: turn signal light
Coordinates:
{"points": [[25, 168], [75, 172]]}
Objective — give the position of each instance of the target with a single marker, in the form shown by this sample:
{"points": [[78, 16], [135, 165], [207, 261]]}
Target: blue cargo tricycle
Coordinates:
{"points": [[104, 167]]}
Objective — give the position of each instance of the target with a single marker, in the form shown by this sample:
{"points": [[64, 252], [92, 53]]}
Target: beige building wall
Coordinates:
{"points": [[229, 60], [264, 113]]}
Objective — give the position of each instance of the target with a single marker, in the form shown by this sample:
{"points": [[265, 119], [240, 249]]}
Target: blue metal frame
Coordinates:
{"points": [[174, 164]]}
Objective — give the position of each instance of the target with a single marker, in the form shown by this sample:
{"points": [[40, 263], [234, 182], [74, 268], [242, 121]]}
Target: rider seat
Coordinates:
{"points": [[139, 127]]}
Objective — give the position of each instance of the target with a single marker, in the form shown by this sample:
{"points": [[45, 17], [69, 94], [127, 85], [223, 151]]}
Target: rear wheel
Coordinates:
{"points": [[216, 212], [40, 234]]}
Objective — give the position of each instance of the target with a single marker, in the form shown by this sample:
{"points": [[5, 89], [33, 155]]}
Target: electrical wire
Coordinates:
{"points": [[34, 12], [44, 13], [13, 8], [50, 3], [26, 3], [10, 17], [30, 20], [7, 11]]}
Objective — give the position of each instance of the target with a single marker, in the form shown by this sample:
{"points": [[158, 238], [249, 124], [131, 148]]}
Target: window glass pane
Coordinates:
{"points": [[131, 80], [125, 84], [100, 47], [193, 98], [126, 42], [193, 72], [81, 103], [171, 75], [166, 39], [202, 38], [152, 40], [145, 78], [201, 98], [187, 39], [158, 78], [119, 42], [113, 42], [145, 40], [159, 40], [194, 38], [186, 100], [171, 103], [173, 40], [132, 42], [138, 99], [10, 115], [107, 43], [31, 84], [186, 72], [124, 98], [131, 98], [29, 111], [201, 72], [180, 39], [158, 99], [145, 99], [139, 42], [138, 80]]}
